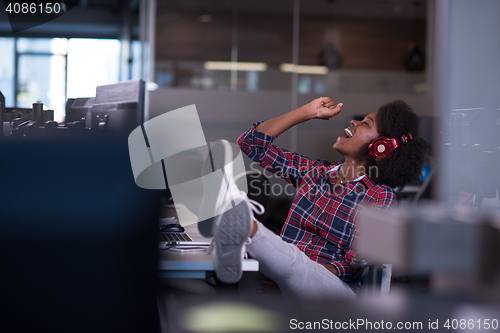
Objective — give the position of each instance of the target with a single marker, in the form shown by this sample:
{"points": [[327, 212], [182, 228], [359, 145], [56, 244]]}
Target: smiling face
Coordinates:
{"points": [[357, 136]]}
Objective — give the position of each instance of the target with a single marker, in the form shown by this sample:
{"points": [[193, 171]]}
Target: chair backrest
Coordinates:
{"points": [[258, 188], [376, 278], [429, 170]]}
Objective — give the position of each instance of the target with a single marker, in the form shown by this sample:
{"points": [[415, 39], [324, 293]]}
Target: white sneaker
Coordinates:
{"points": [[231, 235], [216, 172], [232, 209]]}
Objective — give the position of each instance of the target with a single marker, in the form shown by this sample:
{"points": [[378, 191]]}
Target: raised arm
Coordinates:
{"points": [[256, 142], [321, 108]]}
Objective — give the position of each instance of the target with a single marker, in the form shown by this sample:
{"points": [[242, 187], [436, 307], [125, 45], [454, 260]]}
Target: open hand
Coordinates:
{"points": [[324, 108]]}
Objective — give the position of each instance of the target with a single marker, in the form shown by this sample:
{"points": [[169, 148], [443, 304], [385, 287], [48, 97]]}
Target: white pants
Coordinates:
{"points": [[296, 274]]}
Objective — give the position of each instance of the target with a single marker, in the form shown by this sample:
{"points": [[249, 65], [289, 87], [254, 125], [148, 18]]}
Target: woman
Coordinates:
{"points": [[313, 258]]}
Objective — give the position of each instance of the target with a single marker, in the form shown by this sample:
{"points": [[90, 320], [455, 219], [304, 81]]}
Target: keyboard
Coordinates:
{"points": [[174, 237]]}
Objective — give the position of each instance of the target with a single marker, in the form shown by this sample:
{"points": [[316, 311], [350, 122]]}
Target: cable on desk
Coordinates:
{"points": [[188, 249], [167, 248]]}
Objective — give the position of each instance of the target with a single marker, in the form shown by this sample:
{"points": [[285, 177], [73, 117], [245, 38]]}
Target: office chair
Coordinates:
{"points": [[258, 187], [376, 277], [424, 185]]}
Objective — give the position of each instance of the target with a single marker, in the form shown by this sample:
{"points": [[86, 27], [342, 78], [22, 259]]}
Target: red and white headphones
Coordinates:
{"points": [[383, 146]]}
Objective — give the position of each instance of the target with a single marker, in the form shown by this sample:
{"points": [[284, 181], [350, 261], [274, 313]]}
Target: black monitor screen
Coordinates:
{"points": [[78, 238]]}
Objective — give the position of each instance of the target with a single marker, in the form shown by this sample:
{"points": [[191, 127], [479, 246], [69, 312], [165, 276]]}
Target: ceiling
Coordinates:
{"points": [[102, 18], [375, 9]]}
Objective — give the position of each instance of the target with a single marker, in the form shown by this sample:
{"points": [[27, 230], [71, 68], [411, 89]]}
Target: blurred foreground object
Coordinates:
{"points": [[78, 239], [435, 239]]}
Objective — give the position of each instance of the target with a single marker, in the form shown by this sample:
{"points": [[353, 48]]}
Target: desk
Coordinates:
{"points": [[192, 265]]}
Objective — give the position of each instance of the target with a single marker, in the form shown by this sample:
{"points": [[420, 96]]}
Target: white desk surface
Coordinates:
{"points": [[196, 264]]}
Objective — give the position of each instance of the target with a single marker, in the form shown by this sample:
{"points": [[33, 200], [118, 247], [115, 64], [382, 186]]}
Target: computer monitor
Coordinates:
{"points": [[118, 108], [474, 140], [76, 108]]}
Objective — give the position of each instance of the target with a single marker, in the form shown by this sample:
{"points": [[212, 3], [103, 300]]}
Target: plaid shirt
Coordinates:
{"points": [[322, 219]]}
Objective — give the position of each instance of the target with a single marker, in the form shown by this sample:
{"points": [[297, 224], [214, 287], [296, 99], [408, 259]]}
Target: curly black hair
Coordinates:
{"points": [[404, 164]]}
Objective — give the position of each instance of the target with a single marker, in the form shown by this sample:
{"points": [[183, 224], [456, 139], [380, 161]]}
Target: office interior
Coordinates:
{"points": [[241, 62]]}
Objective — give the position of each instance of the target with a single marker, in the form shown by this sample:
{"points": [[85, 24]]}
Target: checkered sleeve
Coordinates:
{"points": [[290, 166], [386, 199], [378, 197]]}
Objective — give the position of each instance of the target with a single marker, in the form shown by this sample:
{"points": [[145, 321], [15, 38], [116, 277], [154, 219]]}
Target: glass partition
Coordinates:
{"points": [[340, 48], [7, 71]]}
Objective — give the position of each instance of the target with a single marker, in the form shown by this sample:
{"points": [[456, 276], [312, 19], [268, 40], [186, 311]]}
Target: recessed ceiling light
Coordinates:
{"points": [[303, 69], [205, 18], [237, 66]]}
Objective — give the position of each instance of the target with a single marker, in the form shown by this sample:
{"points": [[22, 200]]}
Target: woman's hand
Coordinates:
{"points": [[323, 108], [332, 269]]}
